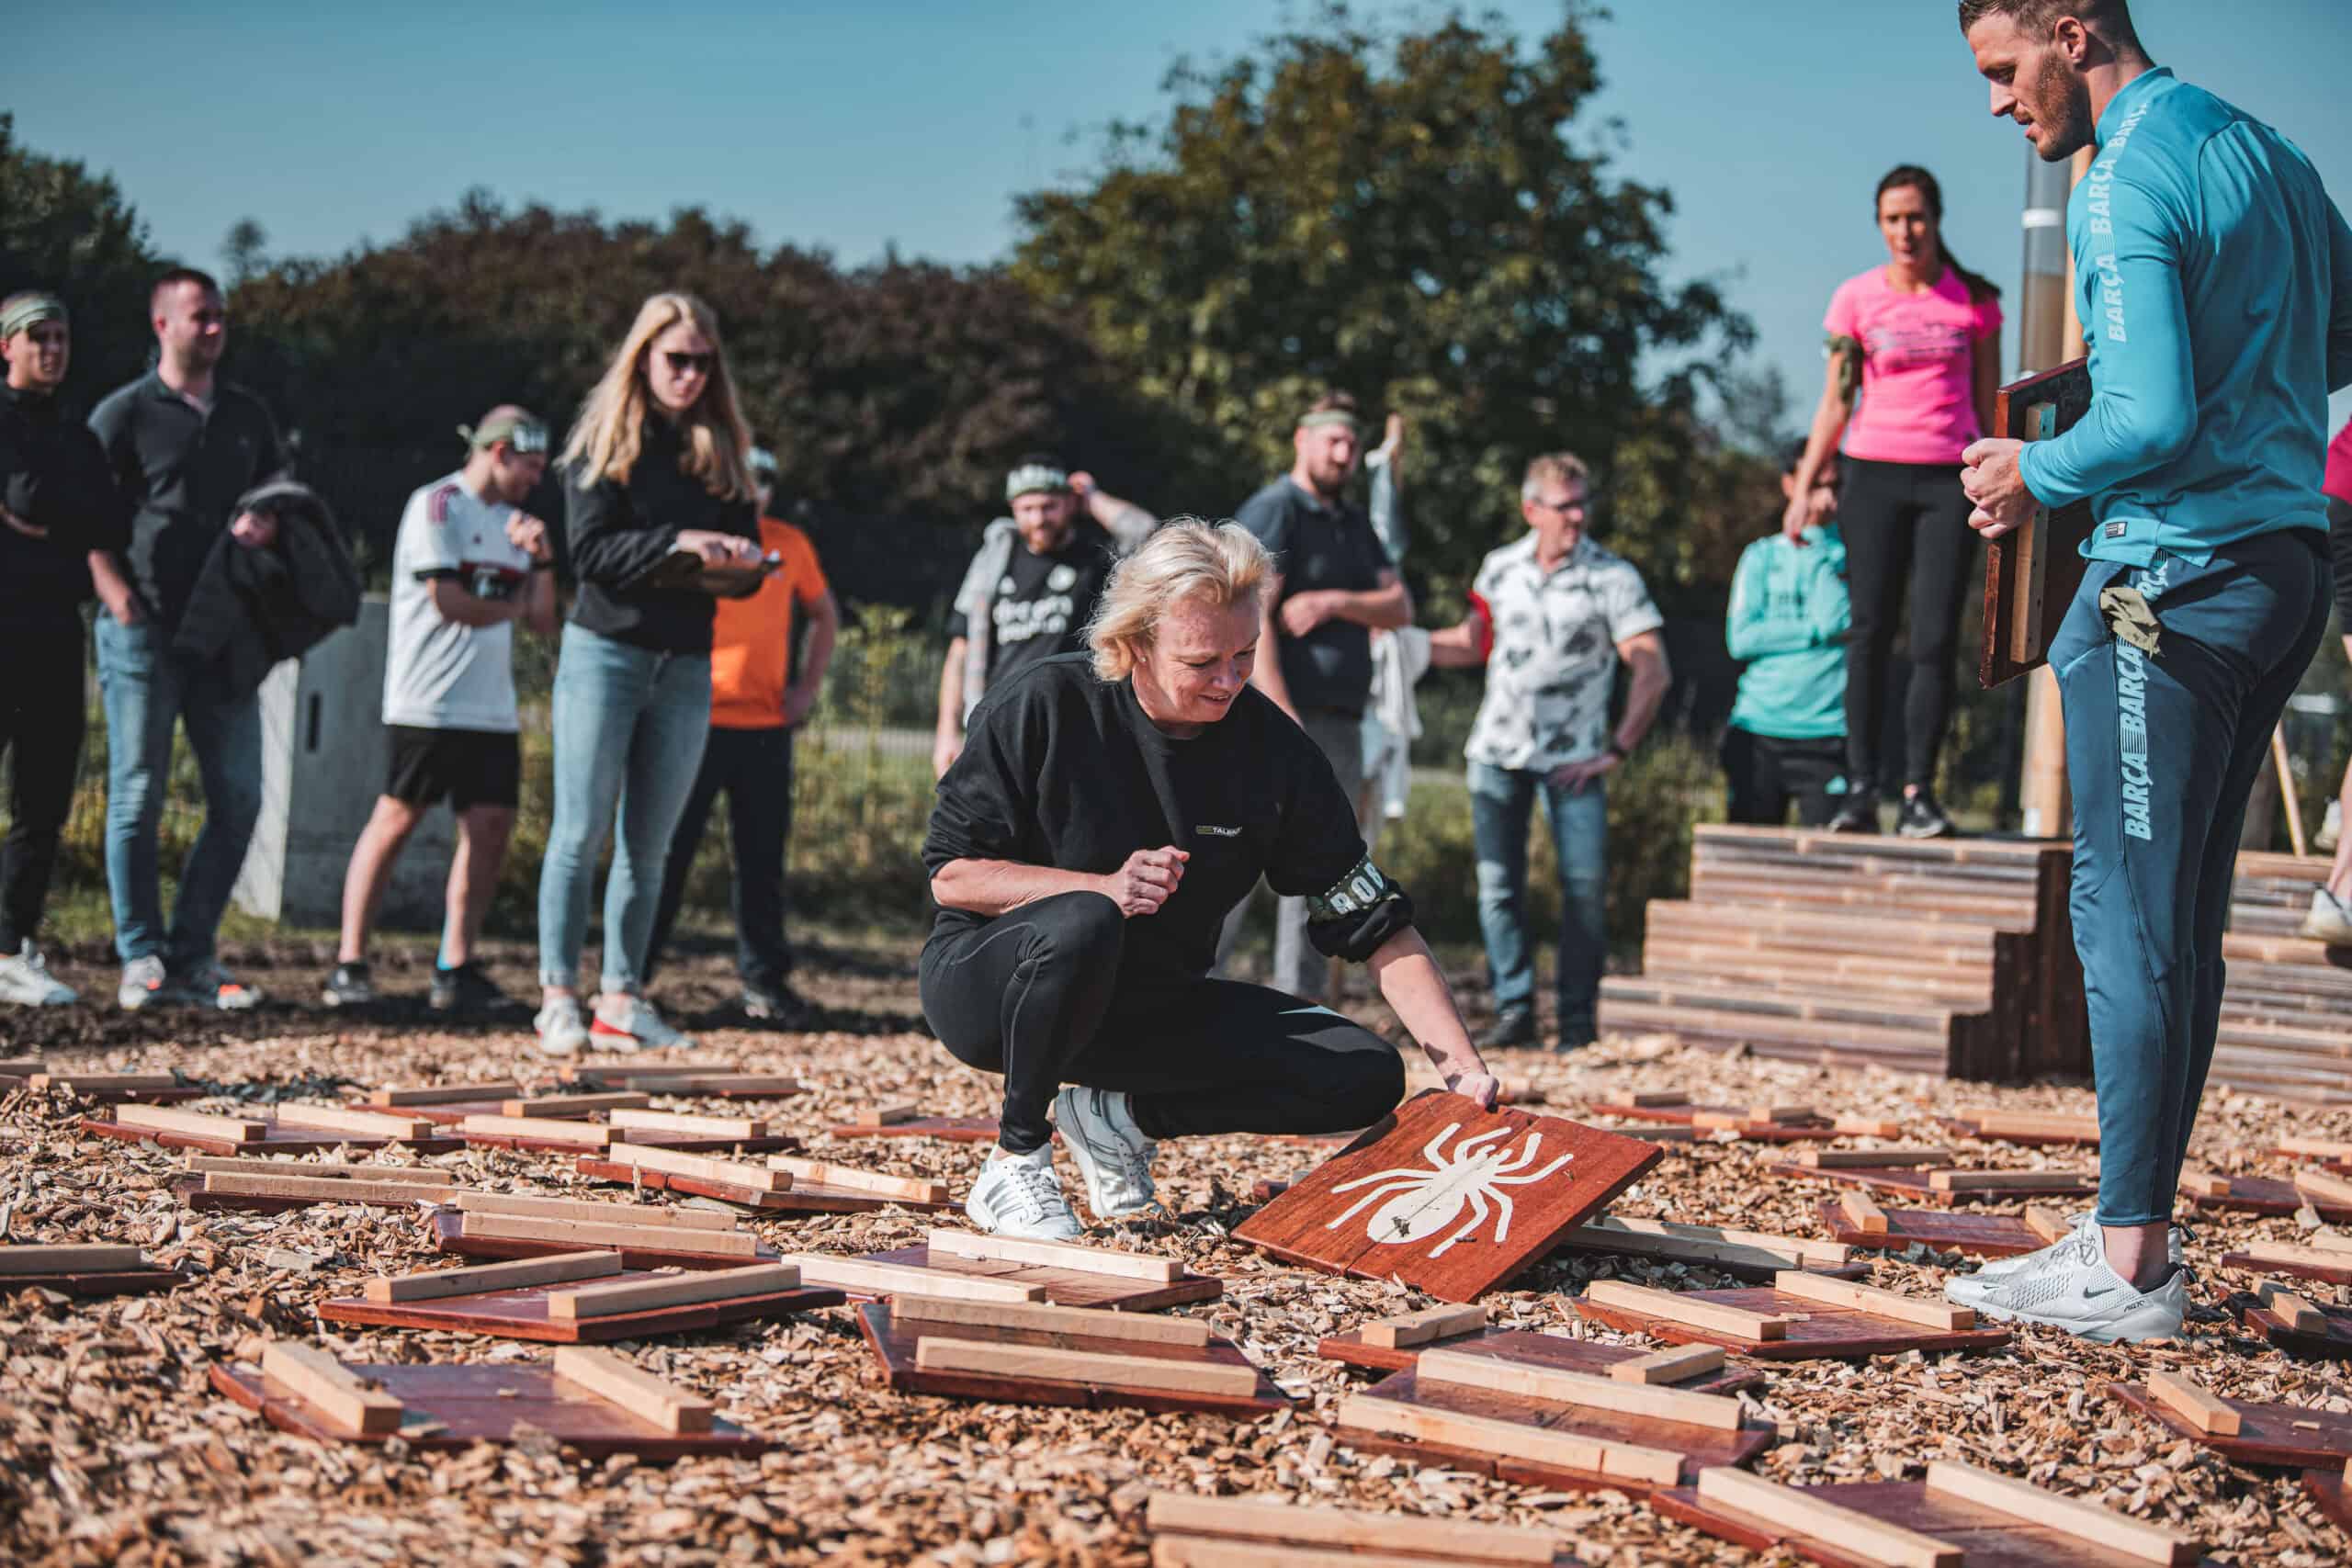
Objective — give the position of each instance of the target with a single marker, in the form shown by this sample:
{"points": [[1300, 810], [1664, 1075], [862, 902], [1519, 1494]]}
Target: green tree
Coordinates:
{"points": [[1409, 218], [68, 230]]}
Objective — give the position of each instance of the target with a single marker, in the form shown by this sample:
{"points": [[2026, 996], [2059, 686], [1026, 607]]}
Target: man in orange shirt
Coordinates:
{"points": [[757, 700]]}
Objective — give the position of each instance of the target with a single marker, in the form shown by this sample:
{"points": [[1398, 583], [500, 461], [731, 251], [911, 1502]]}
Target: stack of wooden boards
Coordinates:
{"points": [[2283, 1010], [1948, 956]]}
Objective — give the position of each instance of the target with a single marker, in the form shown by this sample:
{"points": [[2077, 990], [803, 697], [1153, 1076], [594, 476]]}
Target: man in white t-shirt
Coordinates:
{"points": [[469, 563]]}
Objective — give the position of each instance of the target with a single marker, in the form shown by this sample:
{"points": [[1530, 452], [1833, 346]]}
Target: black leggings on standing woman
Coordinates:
{"points": [[1904, 523]]}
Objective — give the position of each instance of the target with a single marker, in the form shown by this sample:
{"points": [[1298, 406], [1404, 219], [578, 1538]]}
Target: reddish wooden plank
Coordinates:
{"points": [[1063, 1287], [2334, 1345], [2267, 1434], [522, 1313], [2331, 1495], [812, 1198], [1448, 1198], [2305, 1263], [1918, 1185], [2031, 1131], [1975, 1235], [274, 1140], [893, 1344], [1527, 1346], [953, 1129], [2261, 1195], [674, 1250], [449, 1407], [1815, 1330]]}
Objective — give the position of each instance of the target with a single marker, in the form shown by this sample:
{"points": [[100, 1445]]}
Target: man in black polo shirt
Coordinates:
{"points": [[1335, 583], [183, 447]]}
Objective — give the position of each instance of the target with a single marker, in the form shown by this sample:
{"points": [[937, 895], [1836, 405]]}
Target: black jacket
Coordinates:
{"points": [[52, 474], [250, 608], [617, 531]]}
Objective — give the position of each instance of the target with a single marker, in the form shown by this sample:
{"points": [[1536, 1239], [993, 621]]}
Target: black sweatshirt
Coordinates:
{"points": [[618, 530], [1061, 769], [52, 474]]}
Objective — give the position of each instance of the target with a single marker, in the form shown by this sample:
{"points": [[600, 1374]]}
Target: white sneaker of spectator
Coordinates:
{"points": [[1020, 1195], [209, 985], [630, 1024], [1111, 1152], [562, 1028], [2330, 919], [24, 979], [145, 983]]}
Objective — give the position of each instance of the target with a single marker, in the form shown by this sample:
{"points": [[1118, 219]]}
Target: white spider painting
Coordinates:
{"points": [[1420, 1203]]}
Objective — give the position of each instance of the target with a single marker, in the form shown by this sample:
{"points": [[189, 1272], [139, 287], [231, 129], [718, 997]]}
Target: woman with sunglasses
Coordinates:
{"points": [[656, 468], [1921, 339]]}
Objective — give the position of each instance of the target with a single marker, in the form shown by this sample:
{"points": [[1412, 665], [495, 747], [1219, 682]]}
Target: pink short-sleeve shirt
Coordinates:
{"points": [[1919, 403], [2338, 482]]}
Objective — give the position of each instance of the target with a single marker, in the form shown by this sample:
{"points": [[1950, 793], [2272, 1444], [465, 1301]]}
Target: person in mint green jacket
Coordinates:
{"points": [[1789, 617]]}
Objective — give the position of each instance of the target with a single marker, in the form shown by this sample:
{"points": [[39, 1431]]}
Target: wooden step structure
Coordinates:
{"points": [[1949, 956], [2287, 1008]]}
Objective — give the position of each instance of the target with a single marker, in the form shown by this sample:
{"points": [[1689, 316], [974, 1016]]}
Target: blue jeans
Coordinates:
{"points": [[1500, 799], [2162, 751], [147, 690], [629, 725]]}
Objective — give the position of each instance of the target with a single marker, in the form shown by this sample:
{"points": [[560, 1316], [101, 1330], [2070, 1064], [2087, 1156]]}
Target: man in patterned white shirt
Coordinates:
{"points": [[1550, 616]]}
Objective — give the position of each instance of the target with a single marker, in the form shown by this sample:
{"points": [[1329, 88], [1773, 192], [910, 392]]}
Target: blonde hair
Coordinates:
{"points": [[1185, 558], [1553, 467], [605, 444]]}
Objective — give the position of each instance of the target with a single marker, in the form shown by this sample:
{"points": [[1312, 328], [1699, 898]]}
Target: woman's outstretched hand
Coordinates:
{"points": [[1146, 881]]}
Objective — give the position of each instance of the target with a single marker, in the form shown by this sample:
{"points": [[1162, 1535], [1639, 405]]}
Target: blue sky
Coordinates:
{"points": [[913, 122]]}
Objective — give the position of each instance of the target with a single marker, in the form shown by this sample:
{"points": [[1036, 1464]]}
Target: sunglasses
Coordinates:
{"points": [[680, 363]]}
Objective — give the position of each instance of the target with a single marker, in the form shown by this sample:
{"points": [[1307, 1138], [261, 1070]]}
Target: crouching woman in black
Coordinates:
{"points": [[1107, 810]]}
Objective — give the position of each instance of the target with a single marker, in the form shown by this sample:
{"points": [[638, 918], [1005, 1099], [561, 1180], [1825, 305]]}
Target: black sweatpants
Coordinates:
{"points": [[1765, 775], [1036, 995], [1905, 526], [40, 730], [753, 767]]}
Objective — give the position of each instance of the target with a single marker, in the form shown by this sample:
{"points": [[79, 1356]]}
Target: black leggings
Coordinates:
{"points": [[2339, 544], [1035, 994], [1765, 775], [1904, 524], [40, 730]]}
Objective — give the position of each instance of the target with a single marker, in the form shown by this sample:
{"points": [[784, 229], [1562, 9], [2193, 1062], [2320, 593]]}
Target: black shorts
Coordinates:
{"points": [[465, 767]]}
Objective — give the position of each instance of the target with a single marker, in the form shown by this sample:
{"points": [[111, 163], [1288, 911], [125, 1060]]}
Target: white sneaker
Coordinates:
{"points": [[25, 978], [146, 983], [2075, 1290], [1112, 1153], [630, 1024], [2330, 919], [2002, 1268], [562, 1030], [1020, 1195], [209, 985]]}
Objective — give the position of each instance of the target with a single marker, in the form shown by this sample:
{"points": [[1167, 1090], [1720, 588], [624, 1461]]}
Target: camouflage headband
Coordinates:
{"points": [[30, 312], [1033, 477], [521, 432], [1322, 417]]}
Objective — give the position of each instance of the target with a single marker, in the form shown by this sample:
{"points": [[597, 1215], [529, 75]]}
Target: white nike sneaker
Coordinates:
{"points": [[24, 979], [632, 1023], [562, 1030], [1019, 1195], [2002, 1268], [2330, 919], [146, 983], [1112, 1153], [2077, 1291]]}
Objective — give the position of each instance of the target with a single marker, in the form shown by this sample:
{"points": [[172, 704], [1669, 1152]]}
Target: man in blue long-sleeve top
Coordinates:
{"points": [[2214, 279]]}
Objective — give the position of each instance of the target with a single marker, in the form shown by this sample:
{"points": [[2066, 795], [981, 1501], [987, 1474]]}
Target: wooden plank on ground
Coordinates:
{"points": [[702, 1168], [1994, 1124], [317, 1188], [2047, 1222], [1843, 1159], [1054, 1255], [197, 1123], [2324, 1185], [998, 1358], [674, 1290], [609, 1377], [538, 1129], [70, 1257], [2316, 1148], [319, 1379], [365, 1123], [322, 1170], [1673, 1308], [823, 1173], [433, 1284], [572, 1232], [1668, 1238], [2085, 1521], [1464, 1369], [1677, 1364], [883, 1115], [2204, 1184], [1861, 1214], [443, 1094], [688, 1123], [2291, 1308], [1412, 1328], [108, 1083], [1038, 1318], [2193, 1403], [1986, 1180], [570, 1105], [1873, 1300], [1508, 1439], [588, 1212], [1866, 1539], [1866, 1127], [896, 1279], [1271, 1520]]}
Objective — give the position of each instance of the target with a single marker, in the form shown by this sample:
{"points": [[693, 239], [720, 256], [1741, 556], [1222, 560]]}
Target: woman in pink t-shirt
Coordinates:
{"points": [[1921, 339]]}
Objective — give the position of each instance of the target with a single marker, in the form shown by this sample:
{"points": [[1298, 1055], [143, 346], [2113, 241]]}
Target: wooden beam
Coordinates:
{"points": [[1853, 1534], [477, 1278], [1655, 1097], [2316, 1148], [574, 1235], [2048, 1224], [1467, 1369], [1667, 1238], [1408, 1329], [1861, 1214], [1874, 1301], [639, 1392], [2204, 1184], [565, 1105], [2325, 1186], [1678, 1363], [702, 1168], [588, 1213], [195, 1123], [993, 1358], [1086, 1323], [1994, 1180], [365, 1123], [689, 1124], [775, 1084], [2076, 1516], [2291, 1309], [1268, 1520], [1773, 1111], [820, 1173], [1912, 1158], [1993, 1123], [2194, 1404], [319, 1379], [884, 1115], [1054, 1255], [318, 1189], [442, 1094], [70, 1257], [895, 1279], [643, 1294], [2279, 1252], [1673, 1308], [114, 1083], [322, 1170], [546, 1129], [1866, 1126], [22, 1067], [1515, 1440], [2327, 1240]]}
